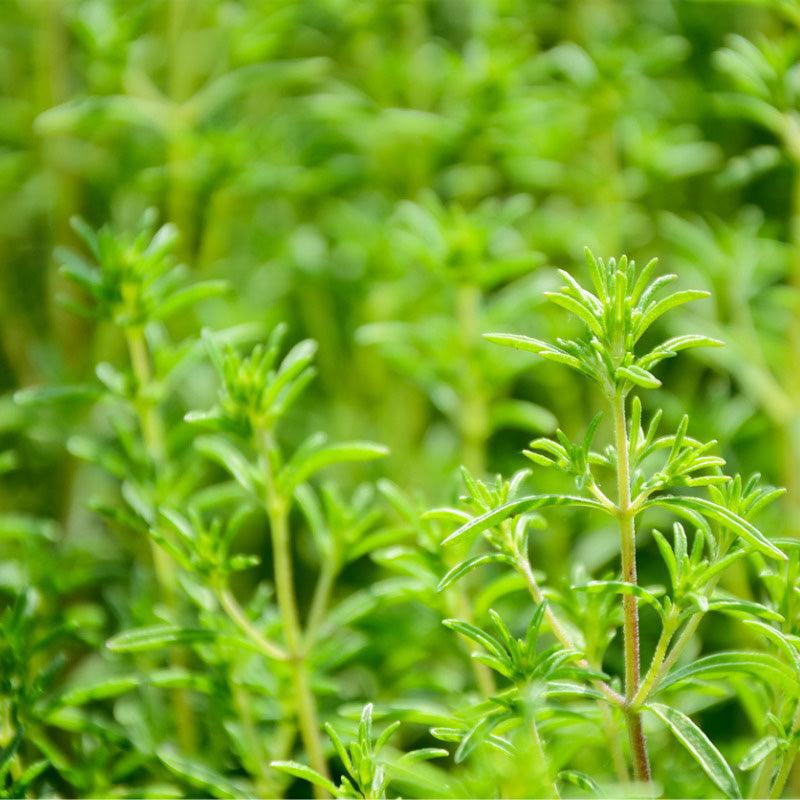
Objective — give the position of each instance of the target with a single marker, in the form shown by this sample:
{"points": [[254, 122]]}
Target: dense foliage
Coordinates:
{"points": [[277, 513]]}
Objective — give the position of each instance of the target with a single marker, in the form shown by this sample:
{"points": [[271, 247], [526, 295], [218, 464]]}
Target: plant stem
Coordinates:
{"points": [[474, 413], [627, 531], [611, 731], [667, 631], [541, 764], [788, 758], [320, 600], [760, 788], [7, 734], [256, 760], [557, 627], [154, 437], [305, 702], [688, 630], [235, 612]]}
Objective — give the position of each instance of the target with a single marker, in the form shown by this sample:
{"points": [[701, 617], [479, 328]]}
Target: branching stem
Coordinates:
{"points": [[557, 627], [649, 681], [236, 613]]}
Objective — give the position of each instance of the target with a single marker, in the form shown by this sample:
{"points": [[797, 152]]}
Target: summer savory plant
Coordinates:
{"points": [[550, 681], [641, 470], [209, 641]]}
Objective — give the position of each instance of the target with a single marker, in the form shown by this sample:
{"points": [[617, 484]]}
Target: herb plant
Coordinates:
{"points": [[227, 227], [648, 470]]}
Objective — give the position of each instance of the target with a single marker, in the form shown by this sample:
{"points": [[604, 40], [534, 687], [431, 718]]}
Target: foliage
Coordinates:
{"points": [[265, 525]]}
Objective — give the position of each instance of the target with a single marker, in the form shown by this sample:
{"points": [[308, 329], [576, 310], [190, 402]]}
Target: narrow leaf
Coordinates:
{"points": [[298, 770], [156, 636], [497, 515], [742, 527], [296, 473], [732, 662], [200, 775], [465, 567], [230, 458], [699, 746]]}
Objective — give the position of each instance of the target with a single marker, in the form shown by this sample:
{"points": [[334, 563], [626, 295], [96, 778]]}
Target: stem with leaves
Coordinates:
{"points": [[277, 509], [788, 758], [627, 532], [153, 433]]}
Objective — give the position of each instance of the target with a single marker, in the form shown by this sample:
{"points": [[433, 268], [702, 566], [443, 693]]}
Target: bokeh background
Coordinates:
{"points": [[392, 179]]}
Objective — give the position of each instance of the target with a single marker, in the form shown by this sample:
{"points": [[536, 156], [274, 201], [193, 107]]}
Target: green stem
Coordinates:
{"points": [[181, 127], [154, 436], [7, 733], [320, 600], [627, 531], [305, 703], [557, 627], [235, 612], [304, 700], [788, 758], [611, 732], [691, 626], [255, 760], [541, 764], [667, 632], [474, 412]]}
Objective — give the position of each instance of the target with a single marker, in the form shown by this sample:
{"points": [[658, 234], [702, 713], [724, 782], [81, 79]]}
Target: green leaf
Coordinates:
{"points": [[477, 635], [758, 752], [296, 472], [655, 310], [199, 775], [641, 377], [524, 415], [423, 754], [726, 664], [111, 687], [230, 458], [465, 567], [497, 515], [20, 786], [778, 639], [674, 345], [581, 780], [298, 770], [156, 636], [518, 342], [743, 608], [338, 746], [45, 395], [25, 526], [448, 514], [699, 746], [742, 527], [189, 296], [8, 752], [621, 587], [576, 307], [476, 734]]}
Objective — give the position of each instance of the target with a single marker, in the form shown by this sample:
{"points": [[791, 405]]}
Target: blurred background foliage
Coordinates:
{"points": [[390, 179]]}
